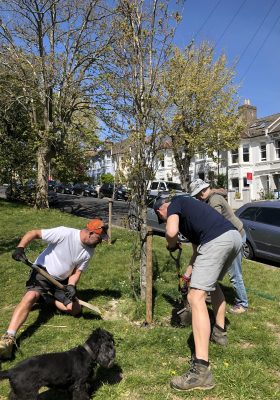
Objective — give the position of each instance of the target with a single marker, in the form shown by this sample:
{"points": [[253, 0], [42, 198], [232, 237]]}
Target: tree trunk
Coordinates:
{"points": [[149, 278], [143, 258], [183, 162], [42, 177], [143, 239]]}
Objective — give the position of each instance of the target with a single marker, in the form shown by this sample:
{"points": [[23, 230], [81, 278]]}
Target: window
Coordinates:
{"points": [[249, 213], [161, 163], [270, 216], [245, 182], [174, 186], [154, 186], [201, 155], [245, 152], [211, 176], [263, 151], [277, 148], [235, 183], [234, 156], [201, 175]]}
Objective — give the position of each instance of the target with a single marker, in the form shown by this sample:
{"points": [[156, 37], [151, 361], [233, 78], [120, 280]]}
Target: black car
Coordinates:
{"points": [[64, 188], [51, 184], [120, 192], [26, 193], [52, 197], [84, 189], [90, 190]]}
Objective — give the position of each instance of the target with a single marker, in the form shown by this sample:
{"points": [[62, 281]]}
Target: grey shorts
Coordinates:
{"points": [[40, 284], [213, 260]]}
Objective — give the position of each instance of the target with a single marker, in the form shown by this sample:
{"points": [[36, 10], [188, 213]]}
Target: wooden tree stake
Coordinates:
{"points": [[149, 277], [110, 222]]}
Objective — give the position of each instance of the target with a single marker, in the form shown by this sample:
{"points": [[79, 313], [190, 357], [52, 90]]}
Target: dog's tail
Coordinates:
{"points": [[4, 375]]}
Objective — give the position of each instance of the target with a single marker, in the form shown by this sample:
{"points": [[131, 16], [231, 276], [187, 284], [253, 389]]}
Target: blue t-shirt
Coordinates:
{"points": [[198, 221]]}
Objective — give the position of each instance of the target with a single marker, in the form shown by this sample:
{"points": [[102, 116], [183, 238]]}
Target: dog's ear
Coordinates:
{"points": [[106, 352]]}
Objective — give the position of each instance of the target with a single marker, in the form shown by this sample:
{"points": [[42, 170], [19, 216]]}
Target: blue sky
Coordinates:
{"points": [[247, 31]]}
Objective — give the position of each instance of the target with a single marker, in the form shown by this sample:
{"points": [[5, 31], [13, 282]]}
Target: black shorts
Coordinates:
{"points": [[40, 284]]}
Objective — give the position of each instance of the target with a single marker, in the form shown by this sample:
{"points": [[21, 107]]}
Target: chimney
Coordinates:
{"points": [[247, 112]]}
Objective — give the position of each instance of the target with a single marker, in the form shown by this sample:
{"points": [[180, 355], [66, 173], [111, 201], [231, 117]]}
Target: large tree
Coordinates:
{"points": [[53, 50], [203, 116], [17, 156], [143, 32]]}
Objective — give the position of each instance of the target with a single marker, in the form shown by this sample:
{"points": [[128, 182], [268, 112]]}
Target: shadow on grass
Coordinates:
{"points": [[178, 320], [7, 246], [103, 376], [229, 293], [45, 314], [89, 294]]}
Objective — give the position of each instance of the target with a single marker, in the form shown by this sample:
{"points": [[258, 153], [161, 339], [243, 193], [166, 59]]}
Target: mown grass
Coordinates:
{"points": [[148, 357]]}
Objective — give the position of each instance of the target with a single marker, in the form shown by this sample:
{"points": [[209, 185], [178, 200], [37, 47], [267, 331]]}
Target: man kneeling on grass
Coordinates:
{"points": [[66, 257], [216, 242]]}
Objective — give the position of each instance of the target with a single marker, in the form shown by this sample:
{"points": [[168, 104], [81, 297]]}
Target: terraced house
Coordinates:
{"points": [[254, 167]]}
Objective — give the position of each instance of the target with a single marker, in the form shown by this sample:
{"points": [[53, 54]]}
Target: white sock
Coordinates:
{"points": [[11, 332]]}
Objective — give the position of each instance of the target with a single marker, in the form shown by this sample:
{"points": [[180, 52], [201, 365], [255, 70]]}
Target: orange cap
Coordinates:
{"points": [[96, 225]]}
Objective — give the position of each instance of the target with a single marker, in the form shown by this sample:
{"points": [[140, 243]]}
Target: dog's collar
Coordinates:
{"points": [[89, 351]]}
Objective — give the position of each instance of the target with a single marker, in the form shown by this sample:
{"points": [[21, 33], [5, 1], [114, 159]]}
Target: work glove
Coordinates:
{"points": [[19, 254], [70, 292], [176, 247], [185, 282]]}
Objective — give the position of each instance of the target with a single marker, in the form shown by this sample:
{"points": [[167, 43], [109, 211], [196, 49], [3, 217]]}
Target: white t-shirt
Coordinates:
{"points": [[64, 253]]}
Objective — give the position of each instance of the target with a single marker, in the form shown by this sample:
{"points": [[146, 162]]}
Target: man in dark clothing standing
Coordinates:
{"points": [[216, 243]]}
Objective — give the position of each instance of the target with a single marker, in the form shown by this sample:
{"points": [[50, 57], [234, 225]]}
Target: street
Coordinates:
{"points": [[89, 207]]}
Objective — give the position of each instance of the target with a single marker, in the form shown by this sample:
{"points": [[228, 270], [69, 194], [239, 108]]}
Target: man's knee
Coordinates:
{"points": [[74, 308], [195, 296], [31, 297]]}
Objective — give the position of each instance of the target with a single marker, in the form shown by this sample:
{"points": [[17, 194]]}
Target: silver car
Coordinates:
{"points": [[261, 221]]}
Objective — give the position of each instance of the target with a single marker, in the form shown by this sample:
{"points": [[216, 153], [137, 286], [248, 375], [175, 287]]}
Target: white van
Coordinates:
{"points": [[155, 187]]}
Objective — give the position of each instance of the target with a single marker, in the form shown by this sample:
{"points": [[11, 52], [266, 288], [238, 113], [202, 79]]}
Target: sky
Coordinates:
{"points": [[248, 31]]}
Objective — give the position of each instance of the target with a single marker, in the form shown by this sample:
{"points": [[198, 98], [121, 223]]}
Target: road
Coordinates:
{"points": [[89, 207]]}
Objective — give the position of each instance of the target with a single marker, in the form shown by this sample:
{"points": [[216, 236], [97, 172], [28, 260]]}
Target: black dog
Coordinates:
{"points": [[70, 370]]}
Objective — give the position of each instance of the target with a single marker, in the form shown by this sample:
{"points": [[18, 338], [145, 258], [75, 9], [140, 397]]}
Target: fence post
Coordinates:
{"points": [[110, 221], [149, 277]]}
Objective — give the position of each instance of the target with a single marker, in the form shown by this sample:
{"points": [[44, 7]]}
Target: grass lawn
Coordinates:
{"points": [[148, 357]]}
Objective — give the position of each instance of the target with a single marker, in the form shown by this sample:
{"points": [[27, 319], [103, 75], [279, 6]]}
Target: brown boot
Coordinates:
{"points": [[7, 343], [218, 336], [198, 376]]}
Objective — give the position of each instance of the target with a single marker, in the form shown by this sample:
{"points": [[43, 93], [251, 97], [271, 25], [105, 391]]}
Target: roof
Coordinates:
{"points": [[262, 126]]}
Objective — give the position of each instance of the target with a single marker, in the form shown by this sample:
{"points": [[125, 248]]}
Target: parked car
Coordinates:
{"points": [[120, 192], [51, 184], [64, 188], [156, 187], [84, 189], [26, 193], [90, 190], [52, 197], [152, 219], [261, 221]]}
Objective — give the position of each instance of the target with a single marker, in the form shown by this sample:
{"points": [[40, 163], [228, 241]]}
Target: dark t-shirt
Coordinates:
{"points": [[199, 222]]}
